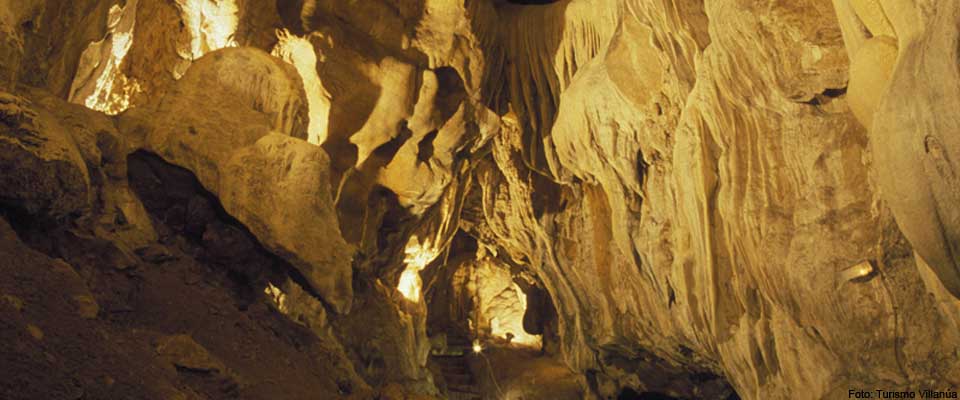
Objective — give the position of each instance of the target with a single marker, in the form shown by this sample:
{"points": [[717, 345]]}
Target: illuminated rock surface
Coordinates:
{"points": [[323, 199]]}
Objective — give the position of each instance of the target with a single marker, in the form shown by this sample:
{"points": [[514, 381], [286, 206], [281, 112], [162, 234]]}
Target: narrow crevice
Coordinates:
{"points": [[425, 147], [642, 167], [826, 96]]}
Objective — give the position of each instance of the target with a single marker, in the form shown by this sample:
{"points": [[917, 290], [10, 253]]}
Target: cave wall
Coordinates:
{"points": [[724, 193], [712, 192]]}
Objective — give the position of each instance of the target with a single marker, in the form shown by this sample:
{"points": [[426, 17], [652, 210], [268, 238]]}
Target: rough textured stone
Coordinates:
{"points": [[279, 189], [184, 352], [120, 216], [227, 100], [43, 172], [709, 214], [14, 16], [914, 146], [217, 121]]}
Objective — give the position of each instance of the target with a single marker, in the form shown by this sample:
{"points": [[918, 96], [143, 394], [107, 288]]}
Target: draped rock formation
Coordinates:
{"points": [[697, 199]]}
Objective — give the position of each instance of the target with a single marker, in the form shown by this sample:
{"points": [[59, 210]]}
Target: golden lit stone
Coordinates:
{"points": [[418, 255], [501, 305], [870, 72], [858, 272], [99, 83], [278, 297], [872, 15], [299, 52], [211, 23]]}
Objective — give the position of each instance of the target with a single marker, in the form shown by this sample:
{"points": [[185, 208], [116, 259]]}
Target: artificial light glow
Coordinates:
{"points": [[418, 255], [278, 297], [858, 272], [299, 52], [477, 348], [502, 304], [111, 91], [211, 24], [510, 325], [410, 284]]}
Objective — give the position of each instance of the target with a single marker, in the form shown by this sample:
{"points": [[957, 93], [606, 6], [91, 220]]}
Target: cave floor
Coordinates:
{"points": [[512, 373], [112, 347]]}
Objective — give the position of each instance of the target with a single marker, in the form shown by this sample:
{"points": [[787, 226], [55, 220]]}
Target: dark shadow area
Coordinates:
{"points": [[425, 147], [354, 192], [448, 307], [518, 75], [547, 197], [106, 309], [289, 11], [183, 207], [450, 93]]}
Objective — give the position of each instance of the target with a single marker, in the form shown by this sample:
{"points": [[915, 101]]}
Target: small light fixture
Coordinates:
{"points": [[477, 348], [861, 272]]}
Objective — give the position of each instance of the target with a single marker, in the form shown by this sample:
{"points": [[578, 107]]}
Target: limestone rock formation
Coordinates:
{"points": [[15, 18], [43, 172], [697, 199], [217, 122], [184, 352], [914, 146], [103, 151], [278, 187]]}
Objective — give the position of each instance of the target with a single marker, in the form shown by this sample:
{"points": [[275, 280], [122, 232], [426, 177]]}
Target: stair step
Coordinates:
{"points": [[463, 388], [456, 372], [464, 396], [458, 379], [450, 360]]}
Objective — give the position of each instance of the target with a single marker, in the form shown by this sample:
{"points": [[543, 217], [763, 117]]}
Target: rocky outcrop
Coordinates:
{"points": [[15, 18], [228, 100], [184, 352], [279, 189], [43, 173], [217, 122], [118, 215], [892, 47], [78, 327]]}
